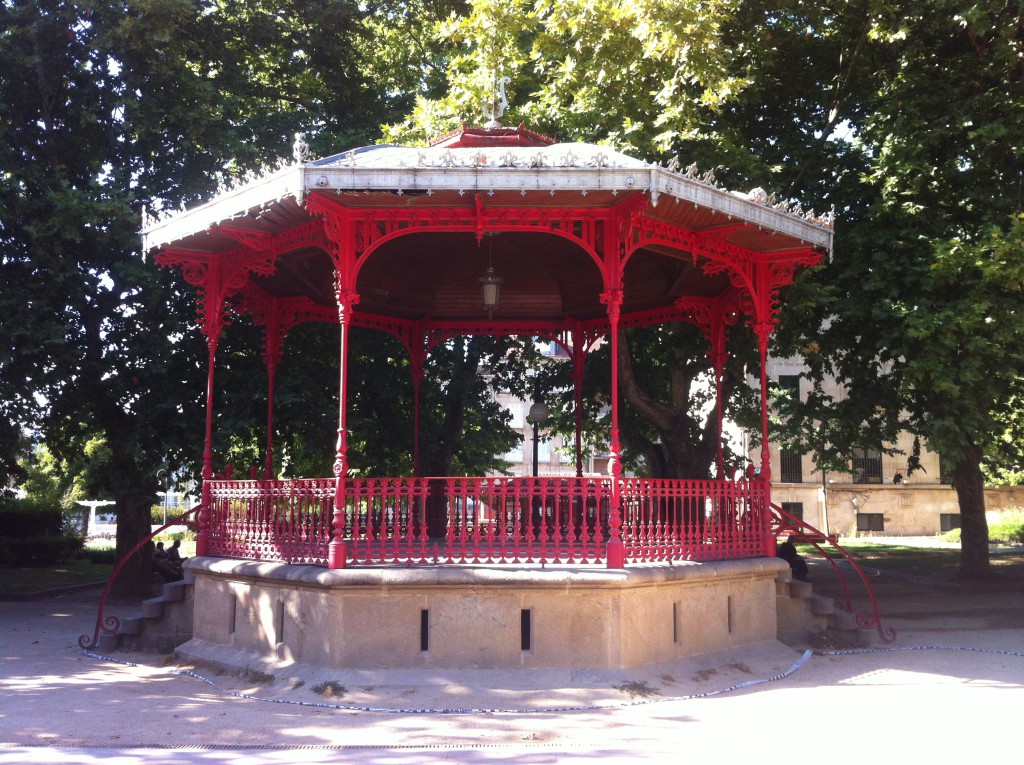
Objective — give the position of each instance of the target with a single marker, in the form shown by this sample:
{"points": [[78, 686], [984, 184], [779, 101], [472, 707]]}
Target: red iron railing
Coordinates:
{"points": [[665, 520], [785, 524], [410, 521], [112, 624]]}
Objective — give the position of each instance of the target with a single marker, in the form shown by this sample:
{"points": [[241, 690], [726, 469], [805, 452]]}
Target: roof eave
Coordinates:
{"points": [[297, 180]]}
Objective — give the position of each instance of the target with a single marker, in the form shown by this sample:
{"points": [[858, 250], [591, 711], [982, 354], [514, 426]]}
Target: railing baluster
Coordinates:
{"points": [[487, 520]]}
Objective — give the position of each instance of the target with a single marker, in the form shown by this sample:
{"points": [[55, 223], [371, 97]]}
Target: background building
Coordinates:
{"points": [[877, 495]]}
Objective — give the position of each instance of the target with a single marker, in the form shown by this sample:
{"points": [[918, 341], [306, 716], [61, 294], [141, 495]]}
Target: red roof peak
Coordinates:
{"points": [[482, 137]]}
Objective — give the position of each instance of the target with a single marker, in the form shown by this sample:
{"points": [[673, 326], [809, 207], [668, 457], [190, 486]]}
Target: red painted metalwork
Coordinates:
{"points": [[616, 551], [488, 520], [638, 523], [786, 524], [112, 624], [368, 229], [338, 555], [665, 520], [417, 369], [277, 316], [467, 136], [578, 353]]}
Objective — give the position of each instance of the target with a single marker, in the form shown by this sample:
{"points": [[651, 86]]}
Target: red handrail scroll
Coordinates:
{"points": [[111, 624], [785, 523]]}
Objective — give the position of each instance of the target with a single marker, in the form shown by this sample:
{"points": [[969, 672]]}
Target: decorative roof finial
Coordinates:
{"points": [[300, 149], [496, 108]]}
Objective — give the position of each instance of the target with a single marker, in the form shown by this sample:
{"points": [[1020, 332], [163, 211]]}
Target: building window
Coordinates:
{"points": [[867, 466], [788, 393], [870, 522], [945, 471], [949, 521], [792, 469], [796, 509]]}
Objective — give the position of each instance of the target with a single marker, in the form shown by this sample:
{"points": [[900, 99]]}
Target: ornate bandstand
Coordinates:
{"points": [[495, 231]]}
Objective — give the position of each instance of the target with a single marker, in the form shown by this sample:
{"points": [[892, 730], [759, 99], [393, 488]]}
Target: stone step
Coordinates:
{"points": [[108, 642], [132, 625], [843, 620], [799, 589], [822, 605], [867, 636], [177, 591], [153, 608]]}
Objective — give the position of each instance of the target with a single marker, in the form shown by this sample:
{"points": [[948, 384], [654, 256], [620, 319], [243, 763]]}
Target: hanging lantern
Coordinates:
{"points": [[490, 285]]}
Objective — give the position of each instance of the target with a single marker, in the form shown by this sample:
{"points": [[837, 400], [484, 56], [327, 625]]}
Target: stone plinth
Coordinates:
{"points": [[487, 617]]}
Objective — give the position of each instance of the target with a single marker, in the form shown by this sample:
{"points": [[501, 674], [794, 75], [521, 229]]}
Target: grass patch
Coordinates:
{"points": [[1007, 526], [22, 580], [637, 688], [258, 676], [934, 562], [332, 689]]}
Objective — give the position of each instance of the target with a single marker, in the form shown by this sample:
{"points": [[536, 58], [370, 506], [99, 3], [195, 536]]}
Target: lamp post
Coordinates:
{"points": [[162, 474], [824, 478], [539, 414]]}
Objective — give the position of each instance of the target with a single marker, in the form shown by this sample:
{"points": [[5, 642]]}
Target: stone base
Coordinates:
{"points": [[483, 617]]}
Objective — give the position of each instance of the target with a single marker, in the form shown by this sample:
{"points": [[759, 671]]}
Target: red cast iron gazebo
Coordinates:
{"points": [[494, 231]]}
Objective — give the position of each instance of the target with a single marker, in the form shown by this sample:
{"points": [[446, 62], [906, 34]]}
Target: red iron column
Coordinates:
{"points": [[337, 553], [212, 310], [718, 356], [763, 331], [271, 358], [616, 551], [418, 360], [579, 357]]}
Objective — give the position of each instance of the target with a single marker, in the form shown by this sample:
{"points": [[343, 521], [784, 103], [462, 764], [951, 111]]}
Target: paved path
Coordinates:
{"points": [[938, 705]]}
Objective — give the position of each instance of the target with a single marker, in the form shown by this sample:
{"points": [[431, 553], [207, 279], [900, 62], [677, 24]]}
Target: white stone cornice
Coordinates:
{"points": [[560, 168]]}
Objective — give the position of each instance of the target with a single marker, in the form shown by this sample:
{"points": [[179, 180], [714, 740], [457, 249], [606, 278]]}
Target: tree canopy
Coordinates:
{"points": [[109, 106], [906, 117]]}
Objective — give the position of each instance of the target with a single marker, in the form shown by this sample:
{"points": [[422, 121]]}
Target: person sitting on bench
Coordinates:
{"points": [[787, 551]]}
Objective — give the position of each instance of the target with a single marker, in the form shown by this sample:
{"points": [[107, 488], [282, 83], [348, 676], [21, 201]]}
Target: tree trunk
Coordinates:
{"points": [[438, 461], [133, 525], [134, 521], [974, 561]]}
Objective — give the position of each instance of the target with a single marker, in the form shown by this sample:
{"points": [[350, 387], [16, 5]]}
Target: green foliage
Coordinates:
{"points": [[332, 689], [1004, 454], [667, 423], [637, 689], [107, 107], [463, 428], [909, 119], [63, 480], [638, 74], [40, 550], [917, 316], [106, 555], [953, 535], [156, 514], [1007, 527], [257, 676], [38, 579], [29, 517], [33, 533]]}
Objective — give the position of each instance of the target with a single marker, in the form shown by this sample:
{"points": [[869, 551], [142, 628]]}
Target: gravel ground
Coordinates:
{"points": [[951, 687]]}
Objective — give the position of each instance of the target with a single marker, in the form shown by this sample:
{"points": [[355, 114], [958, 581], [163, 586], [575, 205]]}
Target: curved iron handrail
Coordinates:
{"points": [[111, 624], [784, 522]]}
